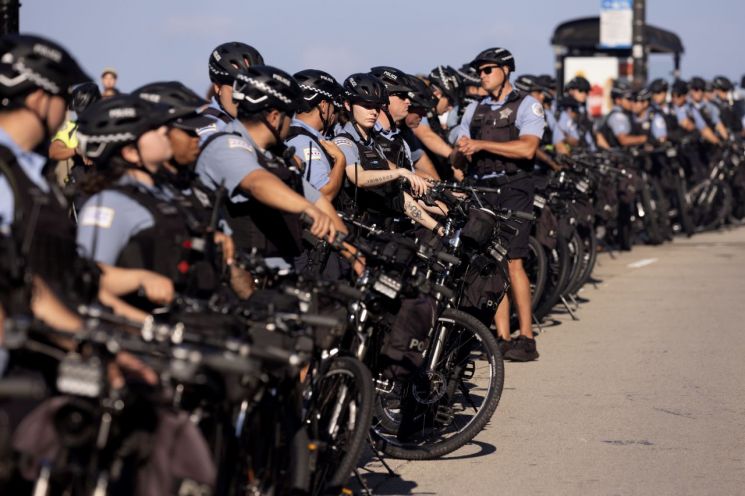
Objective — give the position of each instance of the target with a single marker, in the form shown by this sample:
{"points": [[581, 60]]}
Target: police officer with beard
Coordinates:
{"points": [[500, 135]]}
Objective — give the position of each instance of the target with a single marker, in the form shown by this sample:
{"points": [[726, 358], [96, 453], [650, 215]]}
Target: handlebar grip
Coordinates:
{"points": [[319, 320], [306, 219], [445, 291], [524, 216], [448, 258], [22, 388], [229, 365], [275, 354], [349, 292]]}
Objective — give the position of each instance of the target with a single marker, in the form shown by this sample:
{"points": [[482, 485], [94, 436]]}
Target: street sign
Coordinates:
{"points": [[616, 23]]}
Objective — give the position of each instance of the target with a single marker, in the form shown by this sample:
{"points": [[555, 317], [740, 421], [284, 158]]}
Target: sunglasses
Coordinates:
{"points": [[488, 69], [401, 95]]}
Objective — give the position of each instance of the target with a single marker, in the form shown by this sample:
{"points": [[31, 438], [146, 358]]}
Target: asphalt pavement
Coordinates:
{"points": [[644, 394]]}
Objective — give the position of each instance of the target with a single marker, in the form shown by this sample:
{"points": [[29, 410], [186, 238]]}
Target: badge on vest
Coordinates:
{"points": [[505, 113], [97, 217]]}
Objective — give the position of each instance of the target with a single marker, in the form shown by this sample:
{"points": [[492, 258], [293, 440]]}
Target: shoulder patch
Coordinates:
{"points": [[239, 143], [342, 141], [311, 154], [212, 128], [537, 109], [97, 217]]}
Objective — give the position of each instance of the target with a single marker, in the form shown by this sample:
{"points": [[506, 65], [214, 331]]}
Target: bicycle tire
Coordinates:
{"points": [[557, 277], [576, 252], [465, 332], [336, 460], [536, 267]]}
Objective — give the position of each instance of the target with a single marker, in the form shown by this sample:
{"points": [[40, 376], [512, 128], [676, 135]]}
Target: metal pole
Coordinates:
{"points": [[639, 42], [9, 16]]}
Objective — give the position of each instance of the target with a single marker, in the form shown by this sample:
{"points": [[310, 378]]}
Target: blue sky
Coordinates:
{"points": [[149, 40]]}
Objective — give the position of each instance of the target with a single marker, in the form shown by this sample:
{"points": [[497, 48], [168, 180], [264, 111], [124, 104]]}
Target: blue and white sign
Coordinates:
{"points": [[616, 23]]}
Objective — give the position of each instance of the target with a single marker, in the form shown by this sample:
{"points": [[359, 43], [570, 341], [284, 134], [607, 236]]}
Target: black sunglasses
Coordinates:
{"points": [[402, 95], [488, 69]]}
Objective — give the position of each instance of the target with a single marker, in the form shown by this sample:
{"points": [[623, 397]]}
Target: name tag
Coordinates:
{"points": [[97, 217]]}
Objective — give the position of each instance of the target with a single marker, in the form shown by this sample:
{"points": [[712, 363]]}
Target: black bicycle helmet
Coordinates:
{"points": [[114, 122], [229, 58], [568, 102], [394, 80], [182, 103], [527, 83], [29, 62], [263, 87], [697, 83], [83, 95], [679, 87], [578, 83], [658, 86], [643, 95], [498, 56], [468, 76], [722, 83], [318, 86], [448, 81], [367, 89], [621, 89], [547, 81], [420, 95]]}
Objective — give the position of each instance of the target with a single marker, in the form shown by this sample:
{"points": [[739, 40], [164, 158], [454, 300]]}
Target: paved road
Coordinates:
{"points": [[644, 395]]}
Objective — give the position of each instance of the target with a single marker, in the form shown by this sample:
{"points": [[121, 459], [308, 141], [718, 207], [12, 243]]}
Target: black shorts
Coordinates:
{"points": [[516, 194]]}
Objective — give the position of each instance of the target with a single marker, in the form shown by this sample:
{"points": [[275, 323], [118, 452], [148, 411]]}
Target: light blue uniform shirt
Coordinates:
{"points": [[109, 219], [230, 158], [317, 166], [218, 124], [32, 165], [619, 122], [530, 118], [349, 147]]}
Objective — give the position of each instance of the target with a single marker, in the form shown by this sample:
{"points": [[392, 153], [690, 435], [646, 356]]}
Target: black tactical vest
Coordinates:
{"points": [[608, 133], [498, 126], [728, 116], [380, 202], [168, 246], [394, 149], [42, 225]]}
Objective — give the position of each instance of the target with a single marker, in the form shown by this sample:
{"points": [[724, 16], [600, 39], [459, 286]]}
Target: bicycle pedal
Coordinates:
{"points": [[444, 415], [469, 370]]}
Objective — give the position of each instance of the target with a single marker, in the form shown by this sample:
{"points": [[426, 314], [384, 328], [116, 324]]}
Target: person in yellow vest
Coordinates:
{"points": [[64, 146]]}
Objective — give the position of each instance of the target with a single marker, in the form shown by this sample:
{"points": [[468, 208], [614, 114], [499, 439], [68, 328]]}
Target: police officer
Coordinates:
{"points": [[618, 127], [722, 89], [224, 63], [577, 129], [131, 219], [322, 160], [264, 197], [651, 121], [373, 187], [707, 110], [528, 84], [500, 135], [445, 85], [35, 77], [390, 125]]}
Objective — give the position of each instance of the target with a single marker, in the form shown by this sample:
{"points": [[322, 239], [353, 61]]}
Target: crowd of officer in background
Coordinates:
{"points": [[113, 200]]}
